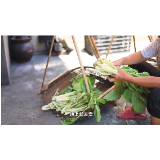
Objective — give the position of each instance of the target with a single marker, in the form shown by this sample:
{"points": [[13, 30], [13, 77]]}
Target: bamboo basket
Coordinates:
{"points": [[63, 81]]}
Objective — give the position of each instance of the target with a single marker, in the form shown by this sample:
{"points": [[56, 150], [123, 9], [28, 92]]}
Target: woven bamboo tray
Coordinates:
{"points": [[63, 81]]}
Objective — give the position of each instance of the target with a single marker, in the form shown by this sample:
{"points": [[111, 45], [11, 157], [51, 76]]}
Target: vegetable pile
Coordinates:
{"points": [[75, 98], [133, 93], [105, 67]]}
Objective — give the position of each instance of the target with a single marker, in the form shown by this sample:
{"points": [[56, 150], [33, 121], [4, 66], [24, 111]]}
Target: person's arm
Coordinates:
{"points": [[134, 58], [151, 50], [149, 81]]}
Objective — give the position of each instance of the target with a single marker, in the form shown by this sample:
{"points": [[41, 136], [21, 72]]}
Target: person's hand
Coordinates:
{"points": [[121, 76]]}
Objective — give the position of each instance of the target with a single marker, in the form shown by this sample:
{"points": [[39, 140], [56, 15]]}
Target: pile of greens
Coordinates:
{"points": [[133, 93], [76, 99]]}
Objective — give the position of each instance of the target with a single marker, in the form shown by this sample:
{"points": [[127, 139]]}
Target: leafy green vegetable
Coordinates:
{"points": [[67, 90], [133, 93], [92, 80], [134, 72], [75, 84], [83, 86], [98, 101], [105, 67], [91, 103], [115, 94], [138, 104], [97, 92], [97, 113], [89, 83], [76, 99], [68, 121], [127, 95]]}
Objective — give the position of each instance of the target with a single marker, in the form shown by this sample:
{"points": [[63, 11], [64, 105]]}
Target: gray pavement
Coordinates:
{"points": [[21, 104]]}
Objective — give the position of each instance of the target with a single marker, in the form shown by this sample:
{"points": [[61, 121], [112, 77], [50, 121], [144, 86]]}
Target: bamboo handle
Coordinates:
{"points": [[110, 46], [134, 43], [83, 72], [106, 92], [44, 77], [92, 45], [149, 38]]}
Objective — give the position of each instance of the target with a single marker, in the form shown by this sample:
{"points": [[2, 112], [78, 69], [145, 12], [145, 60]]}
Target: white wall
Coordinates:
{"points": [[39, 48]]}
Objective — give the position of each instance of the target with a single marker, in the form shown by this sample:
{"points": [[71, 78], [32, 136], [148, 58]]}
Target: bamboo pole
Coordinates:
{"points": [[83, 72], [134, 43], [110, 46], [106, 92], [149, 38], [93, 48], [44, 77], [152, 37]]}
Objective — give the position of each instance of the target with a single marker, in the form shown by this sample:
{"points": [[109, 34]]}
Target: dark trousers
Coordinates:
{"points": [[153, 99]]}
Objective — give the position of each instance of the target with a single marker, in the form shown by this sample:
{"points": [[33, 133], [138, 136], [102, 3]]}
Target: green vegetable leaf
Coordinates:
{"points": [[115, 94], [91, 103], [101, 101], [138, 104], [97, 113], [92, 80], [128, 95], [88, 97], [144, 74], [83, 86], [96, 92], [67, 90], [68, 121], [89, 83], [76, 84], [73, 79]]}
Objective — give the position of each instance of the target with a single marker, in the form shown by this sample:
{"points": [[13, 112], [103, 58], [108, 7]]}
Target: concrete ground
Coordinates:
{"points": [[21, 104]]}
